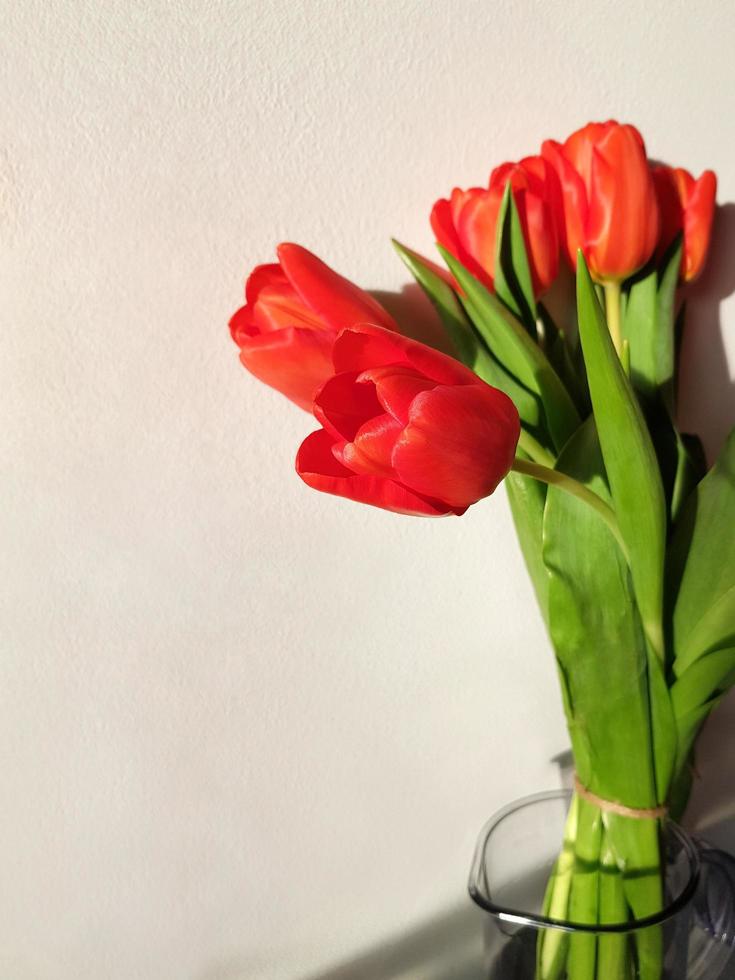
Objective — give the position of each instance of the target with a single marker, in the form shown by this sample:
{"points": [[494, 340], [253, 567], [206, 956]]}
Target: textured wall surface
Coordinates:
{"points": [[247, 731]]}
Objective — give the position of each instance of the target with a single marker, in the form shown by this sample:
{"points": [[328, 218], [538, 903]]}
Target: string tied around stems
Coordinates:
{"points": [[611, 806]]}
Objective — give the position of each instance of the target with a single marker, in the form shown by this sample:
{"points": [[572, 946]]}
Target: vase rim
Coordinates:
{"points": [[521, 917]]}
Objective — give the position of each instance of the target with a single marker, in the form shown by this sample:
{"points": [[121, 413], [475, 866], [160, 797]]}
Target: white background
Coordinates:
{"points": [[248, 731]]}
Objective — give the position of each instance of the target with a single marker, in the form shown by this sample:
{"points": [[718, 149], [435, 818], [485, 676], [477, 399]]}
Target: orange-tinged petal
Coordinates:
{"points": [[277, 307], [318, 467], [294, 361], [476, 224], [579, 147], [623, 220], [339, 302], [459, 444], [270, 275], [698, 218], [571, 201]]}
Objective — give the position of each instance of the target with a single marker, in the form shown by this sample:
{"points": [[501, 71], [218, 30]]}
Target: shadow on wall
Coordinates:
{"points": [[415, 315], [707, 393], [446, 948]]}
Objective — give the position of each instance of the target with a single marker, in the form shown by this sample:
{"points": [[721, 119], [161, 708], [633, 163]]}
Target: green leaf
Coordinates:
{"points": [[704, 679], [598, 637], [649, 326], [512, 274], [470, 348], [630, 459], [513, 348], [446, 303], [565, 362], [527, 500], [702, 565]]}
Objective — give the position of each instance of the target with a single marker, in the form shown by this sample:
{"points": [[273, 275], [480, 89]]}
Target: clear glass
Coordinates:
{"points": [[514, 859]]}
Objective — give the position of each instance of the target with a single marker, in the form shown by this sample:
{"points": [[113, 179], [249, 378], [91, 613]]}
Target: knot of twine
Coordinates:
{"points": [[610, 806]]}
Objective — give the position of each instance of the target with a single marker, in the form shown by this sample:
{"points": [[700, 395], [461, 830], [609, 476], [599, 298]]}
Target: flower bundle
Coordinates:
{"points": [[626, 533]]}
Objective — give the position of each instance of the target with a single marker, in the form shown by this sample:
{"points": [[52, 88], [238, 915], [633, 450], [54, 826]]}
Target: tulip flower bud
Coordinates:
{"points": [[687, 205], [608, 205], [406, 428], [293, 312], [466, 223]]}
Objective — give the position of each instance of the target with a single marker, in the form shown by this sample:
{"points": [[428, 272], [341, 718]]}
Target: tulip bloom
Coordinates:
{"points": [[406, 428], [293, 312], [466, 223], [686, 205], [608, 201]]}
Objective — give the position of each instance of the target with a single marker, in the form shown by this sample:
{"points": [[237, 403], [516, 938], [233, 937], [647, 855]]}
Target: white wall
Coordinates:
{"points": [[247, 731]]}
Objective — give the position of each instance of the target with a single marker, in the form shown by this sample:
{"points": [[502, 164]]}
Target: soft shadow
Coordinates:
{"points": [[445, 948], [415, 315], [706, 393], [711, 810]]}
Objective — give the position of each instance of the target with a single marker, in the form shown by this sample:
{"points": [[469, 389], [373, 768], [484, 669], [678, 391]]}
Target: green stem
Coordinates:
{"points": [[533, 448], [555, 478], [612, 314]]}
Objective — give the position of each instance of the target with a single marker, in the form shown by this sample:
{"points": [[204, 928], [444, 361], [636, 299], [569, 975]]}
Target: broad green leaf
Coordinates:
{"points": [[702, 566], [528, 405], [702, 681], [511, 273], [517, 352], [527, 499], [691, 466], [679, 457], [470, 348], [562, 357], [649, 326], [597, 635], [630, 460]]}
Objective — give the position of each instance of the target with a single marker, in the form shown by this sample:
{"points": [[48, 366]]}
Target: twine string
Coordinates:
{"points": [[610, 806]]}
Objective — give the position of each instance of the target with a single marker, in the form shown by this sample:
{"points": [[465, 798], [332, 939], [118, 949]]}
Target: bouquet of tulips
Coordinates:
{"points": [[627, 535]]}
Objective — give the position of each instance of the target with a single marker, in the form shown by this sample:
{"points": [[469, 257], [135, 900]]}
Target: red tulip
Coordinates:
{"points": [[293, 312], [407, 428], [686, 205], [466, 223], [608, 201]]}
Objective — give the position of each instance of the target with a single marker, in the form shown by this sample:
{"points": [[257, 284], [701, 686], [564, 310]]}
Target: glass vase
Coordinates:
{"points": [[515, 856]]}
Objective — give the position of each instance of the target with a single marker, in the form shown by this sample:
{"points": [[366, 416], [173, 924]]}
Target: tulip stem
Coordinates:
{"points": [[555, 478], [612, 314], [533, 448]]}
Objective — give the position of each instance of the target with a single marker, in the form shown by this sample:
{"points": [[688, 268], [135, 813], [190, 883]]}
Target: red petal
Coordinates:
{"points": [[459, 443], [623, 220], [262, 276], [317, 467], [396, 388], [279, 307], [370, 451], [241, 325], [335, 299], [570, 200], [293, 361], [365, 347], [343, 404], [698, 218], [539, 231], [670, 204], [476, 222]]}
